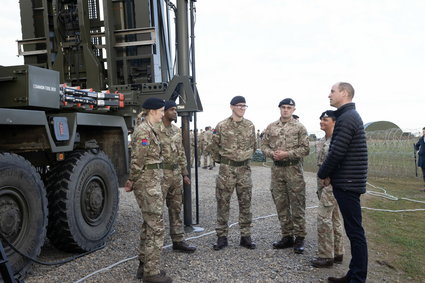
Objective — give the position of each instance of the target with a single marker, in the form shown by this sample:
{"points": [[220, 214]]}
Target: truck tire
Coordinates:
{"points": [[23, 210], [83, 201]]}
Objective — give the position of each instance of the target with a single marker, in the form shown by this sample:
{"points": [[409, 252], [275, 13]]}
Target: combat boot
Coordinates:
{"points": [[320, 262], [247, 242], [139, 273], [286, 242], [221, 243], [344, 279], [158, 278], [299, 245], [338, 259], [184, 247]]}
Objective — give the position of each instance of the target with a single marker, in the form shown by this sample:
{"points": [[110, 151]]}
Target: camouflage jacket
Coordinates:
{"points": [[172, 146], [145, 149], [322, 149], [325, 194], [233, 140], [207, 140], [290, 136], [201, 140]]}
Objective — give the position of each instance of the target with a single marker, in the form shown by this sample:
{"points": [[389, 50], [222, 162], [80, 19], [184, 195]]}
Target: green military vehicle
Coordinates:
{"points": [[65, 115]]}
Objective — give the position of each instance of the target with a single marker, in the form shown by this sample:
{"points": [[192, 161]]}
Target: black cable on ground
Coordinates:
{"points": [[49, 263]]}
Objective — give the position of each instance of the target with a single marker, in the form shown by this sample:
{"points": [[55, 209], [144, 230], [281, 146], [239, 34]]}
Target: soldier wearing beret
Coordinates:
{"points": [[286, 142], [145, 181], [329, 220], [175, 171], [233, 145]]}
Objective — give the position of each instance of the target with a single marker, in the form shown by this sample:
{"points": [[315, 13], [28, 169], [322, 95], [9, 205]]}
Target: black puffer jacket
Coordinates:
{"points": [[346, 162]]}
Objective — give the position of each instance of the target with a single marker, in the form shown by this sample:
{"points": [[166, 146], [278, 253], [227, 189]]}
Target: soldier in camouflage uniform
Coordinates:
{"points": [[200, 146], [206, 143], [193, 148], [329, 220], [286, 142], [175, 173], [232, 146], [145, 181]]}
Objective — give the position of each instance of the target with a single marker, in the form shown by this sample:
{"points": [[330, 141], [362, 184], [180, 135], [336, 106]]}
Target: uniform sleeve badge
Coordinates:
{"points": [[144, 142]]}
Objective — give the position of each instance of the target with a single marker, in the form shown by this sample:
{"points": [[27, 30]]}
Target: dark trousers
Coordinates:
{"points": [[349, 205], [423, 173]]}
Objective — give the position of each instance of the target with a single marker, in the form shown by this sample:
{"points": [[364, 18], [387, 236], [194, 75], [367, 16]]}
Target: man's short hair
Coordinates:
{"points": [[347, 87]]}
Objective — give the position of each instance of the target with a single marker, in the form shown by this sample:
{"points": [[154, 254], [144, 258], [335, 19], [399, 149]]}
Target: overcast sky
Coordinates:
{"points": [[267, 50]]}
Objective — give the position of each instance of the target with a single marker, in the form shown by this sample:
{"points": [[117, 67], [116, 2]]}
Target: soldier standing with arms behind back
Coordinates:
{"points": [[286, 142], [175, 173], [145, 181], [233, 145], [329, 220]]}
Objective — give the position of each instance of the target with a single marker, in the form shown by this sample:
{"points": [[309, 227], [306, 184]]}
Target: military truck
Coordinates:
{"points": [[65, 115]]}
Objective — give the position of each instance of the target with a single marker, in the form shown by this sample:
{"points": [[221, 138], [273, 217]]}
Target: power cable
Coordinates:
{"points": [[385, 195], [47, 263]]}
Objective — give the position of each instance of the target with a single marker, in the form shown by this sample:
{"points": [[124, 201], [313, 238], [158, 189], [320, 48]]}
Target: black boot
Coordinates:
{"points": [[320, 262], [299, 245], [344, 279], [139, 273], [159, 278], [338, 258], [221, 243], [286, 242], [247, 242], [183, 247]]}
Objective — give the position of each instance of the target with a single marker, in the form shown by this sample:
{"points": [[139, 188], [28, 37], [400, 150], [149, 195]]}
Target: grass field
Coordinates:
{"points": [[399, 235]]}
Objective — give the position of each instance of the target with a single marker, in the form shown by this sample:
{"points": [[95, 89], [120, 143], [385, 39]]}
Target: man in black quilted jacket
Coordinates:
{"points": [[345, 168]]}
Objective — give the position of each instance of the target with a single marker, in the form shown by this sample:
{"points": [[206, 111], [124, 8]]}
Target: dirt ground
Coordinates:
{"points": [[117, 262]]}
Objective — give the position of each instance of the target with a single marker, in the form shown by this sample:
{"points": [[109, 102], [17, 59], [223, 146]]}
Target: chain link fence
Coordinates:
{"points": [[391, 153]]}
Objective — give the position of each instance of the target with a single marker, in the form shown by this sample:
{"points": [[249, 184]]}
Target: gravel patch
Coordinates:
{"points": [[117, 262]]}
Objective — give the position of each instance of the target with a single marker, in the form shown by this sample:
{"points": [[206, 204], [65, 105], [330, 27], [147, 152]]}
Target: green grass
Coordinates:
{"points": [[401, 236]]}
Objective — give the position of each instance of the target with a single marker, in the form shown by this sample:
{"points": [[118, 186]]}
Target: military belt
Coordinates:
{"points": [[285, 163], [170, 166], [153, 166], [227, 161]]}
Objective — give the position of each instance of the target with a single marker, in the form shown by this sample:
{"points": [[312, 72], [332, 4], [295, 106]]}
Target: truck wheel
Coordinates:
{"points": [[83, 201], [23, 210]]}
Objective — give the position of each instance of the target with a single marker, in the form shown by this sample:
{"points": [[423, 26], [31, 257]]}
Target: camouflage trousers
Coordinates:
{"points": [[230, 178], [148, 193], [207, 159], [329, 225], [288, 192], [172, 189], [192, 156]]}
